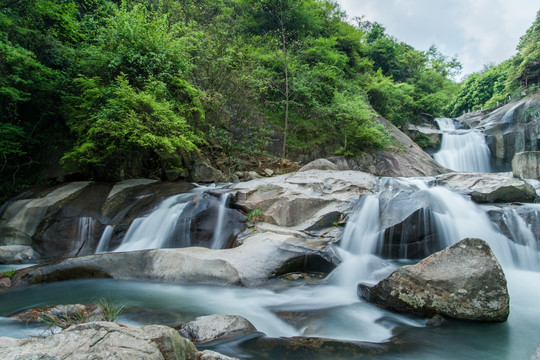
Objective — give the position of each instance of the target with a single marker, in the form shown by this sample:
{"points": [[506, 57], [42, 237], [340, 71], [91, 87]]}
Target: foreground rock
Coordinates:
{"points": [[526, 165], [536, 354], [216, 327], [464, 281], [103, 340], [261, 256], [488, 187]]}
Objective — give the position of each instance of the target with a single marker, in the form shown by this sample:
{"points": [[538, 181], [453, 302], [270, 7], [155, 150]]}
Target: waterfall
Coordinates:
{"points": [[155, 230], [220, 238], [452, 218], [85, 232], [462, 150], [103, 244]]}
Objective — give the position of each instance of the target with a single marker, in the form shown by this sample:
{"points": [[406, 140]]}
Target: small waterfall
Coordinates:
{"points": [[462, 150], [220, 238], [103, 244], [85, 232], [452, 218], [156, 229]]}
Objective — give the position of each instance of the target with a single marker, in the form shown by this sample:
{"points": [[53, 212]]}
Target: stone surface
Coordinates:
{"points": [[102, 340], [488, 187], [526, 165], [536, 354], [319, 164], [212, 355], [204, 173], [261, 256], [17, 254], [214, 327], [509, 129], [309, 200], [464, 281]]}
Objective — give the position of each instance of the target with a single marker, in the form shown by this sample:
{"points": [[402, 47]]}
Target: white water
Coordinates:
{"points": [[85, 231], [219, 239], [103, 244], [155, 230], [462, 150]]}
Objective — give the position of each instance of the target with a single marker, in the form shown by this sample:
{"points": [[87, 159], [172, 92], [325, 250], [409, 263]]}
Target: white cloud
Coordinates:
{"points": [[478, 31]]}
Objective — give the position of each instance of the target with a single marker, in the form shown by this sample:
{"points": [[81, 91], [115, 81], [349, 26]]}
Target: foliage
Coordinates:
{"points": [[8, 273], [255, 216], [110, 309]]}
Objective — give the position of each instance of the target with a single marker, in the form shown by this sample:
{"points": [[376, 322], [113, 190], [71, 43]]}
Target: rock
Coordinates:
{"points": [[17, 254], [262, 256], [436, 321], [251, 175], [536, 354], [484, 187], [127, 184], [464, 281], [102, 340], [212, 355], [319, 164], [215, 327], [5, 282], [68, 313], [269, 172], [310, 200], [22, 218], [201, 172], [526, 165]]}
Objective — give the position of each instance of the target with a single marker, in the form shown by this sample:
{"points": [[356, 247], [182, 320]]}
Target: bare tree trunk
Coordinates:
{"points": [[287, 95]]}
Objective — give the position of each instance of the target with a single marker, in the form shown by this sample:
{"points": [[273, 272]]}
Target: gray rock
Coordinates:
{"points": [[536, 354], [309, 200], [214, 327], [251, 175], [204, 173], [17, 254], [488, 187], [212, 355], [464, 281], [319, 164], [102, 340], [526, 165], [262, 256], [127, 184]]}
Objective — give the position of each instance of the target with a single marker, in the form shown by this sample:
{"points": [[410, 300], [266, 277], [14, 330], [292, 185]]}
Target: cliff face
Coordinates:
{"points": [[512, 128]]}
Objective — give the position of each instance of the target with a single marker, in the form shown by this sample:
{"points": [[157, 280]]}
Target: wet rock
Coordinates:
{"points": [[216, 327], [319, 164], [483, 187], [464, 281], [102, 340], [201, 172], [262, 256], [526, 165], [436, 321]]}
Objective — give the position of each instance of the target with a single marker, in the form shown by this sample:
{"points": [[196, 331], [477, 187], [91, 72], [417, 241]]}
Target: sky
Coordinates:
{"points": [[479, 32]]}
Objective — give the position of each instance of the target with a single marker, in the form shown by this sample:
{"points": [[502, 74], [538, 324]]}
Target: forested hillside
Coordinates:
{"points": [[136, 88]]}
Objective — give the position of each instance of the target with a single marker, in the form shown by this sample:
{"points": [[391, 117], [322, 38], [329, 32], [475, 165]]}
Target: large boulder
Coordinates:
{"points": [[526, 165], [491, 188], [464, 281], [204, 173], [309, 200], [319, 164], [262, 256], [102, 340], [216, 327]]}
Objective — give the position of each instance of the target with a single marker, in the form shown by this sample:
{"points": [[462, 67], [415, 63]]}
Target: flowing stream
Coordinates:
{"points": [[331, 308], [462, 150]]}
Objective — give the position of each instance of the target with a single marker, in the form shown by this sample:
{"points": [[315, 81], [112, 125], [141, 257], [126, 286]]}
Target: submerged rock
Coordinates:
{"points": [[216, 327], [484, 187], [464, 281], [103, 340]]}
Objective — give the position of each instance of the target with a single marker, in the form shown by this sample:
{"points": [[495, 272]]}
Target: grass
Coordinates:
{"points": [[110, 309], [255, 216], [8, 273]]}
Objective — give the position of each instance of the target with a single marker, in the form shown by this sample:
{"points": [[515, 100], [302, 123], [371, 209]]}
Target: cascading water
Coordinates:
{"points": [[85, 231], [104, 240], [220, 237], [462, 150], [156, 229]]}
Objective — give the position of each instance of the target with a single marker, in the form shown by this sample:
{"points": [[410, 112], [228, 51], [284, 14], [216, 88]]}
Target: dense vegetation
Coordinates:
{"points": [[138, 88], [498, 83]]}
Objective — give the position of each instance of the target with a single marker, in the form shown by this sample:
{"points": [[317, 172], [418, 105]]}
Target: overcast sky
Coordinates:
{"points": [[477, 31]]}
